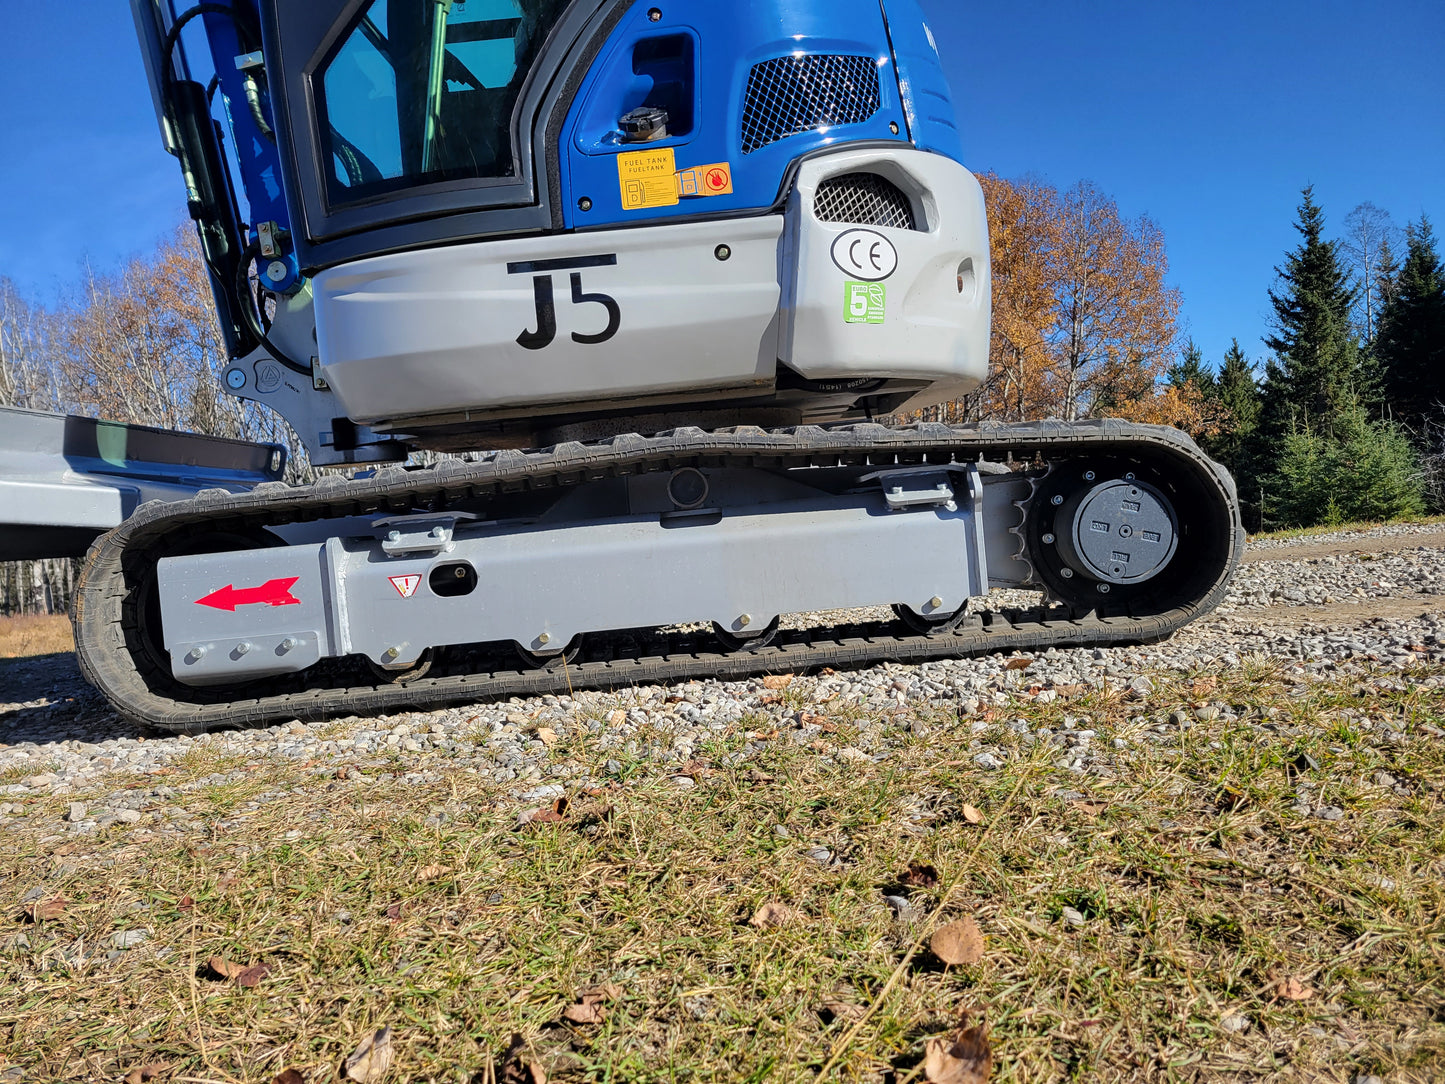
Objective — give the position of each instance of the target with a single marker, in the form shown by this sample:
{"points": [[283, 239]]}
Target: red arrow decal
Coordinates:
{"points": [[272, 593]]}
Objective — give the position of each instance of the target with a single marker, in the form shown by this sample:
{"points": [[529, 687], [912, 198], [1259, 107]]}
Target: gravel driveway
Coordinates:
{"points": [[1362, 603]]}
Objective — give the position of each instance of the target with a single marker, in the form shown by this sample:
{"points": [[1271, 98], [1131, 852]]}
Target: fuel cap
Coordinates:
{"points": [[643, 124]]}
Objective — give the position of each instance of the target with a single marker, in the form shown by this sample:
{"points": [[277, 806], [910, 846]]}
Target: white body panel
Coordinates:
{"points": [[931, 328], [436, 331]]}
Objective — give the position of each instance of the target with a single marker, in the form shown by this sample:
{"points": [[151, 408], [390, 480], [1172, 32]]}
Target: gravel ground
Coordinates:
{"points": [[1349, 609]]}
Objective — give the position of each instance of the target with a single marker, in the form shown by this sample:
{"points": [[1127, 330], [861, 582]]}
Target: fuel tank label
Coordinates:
{"points": [[648, 179]]}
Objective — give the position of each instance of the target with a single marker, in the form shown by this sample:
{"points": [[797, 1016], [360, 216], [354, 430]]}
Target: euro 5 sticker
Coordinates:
{"points": [[863, 302]]}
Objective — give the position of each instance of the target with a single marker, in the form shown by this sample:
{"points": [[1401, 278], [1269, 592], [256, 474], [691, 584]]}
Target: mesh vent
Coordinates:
{"points": [[802, 93], [863, 199]]}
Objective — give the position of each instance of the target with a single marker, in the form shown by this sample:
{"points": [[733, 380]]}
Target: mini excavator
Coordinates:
{"points": [[651, 270]]}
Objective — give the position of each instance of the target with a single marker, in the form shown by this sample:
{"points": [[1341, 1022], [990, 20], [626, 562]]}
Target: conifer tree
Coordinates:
{"points": [[1411, 342], [1190, 369], [1238, 394], [1320, 369]]}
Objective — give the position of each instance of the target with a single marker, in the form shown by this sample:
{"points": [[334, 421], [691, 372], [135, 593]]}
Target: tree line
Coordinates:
{"points": [[1343, 418]]}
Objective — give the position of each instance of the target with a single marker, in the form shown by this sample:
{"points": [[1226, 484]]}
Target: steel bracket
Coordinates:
{"points": [[404, 536]]}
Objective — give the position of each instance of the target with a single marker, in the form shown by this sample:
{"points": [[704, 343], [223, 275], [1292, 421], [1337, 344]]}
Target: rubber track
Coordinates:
{"points": [[105, 616]]}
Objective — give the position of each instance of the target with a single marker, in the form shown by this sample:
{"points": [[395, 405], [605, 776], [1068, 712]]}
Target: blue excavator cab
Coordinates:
{"points": [[494, 223]]}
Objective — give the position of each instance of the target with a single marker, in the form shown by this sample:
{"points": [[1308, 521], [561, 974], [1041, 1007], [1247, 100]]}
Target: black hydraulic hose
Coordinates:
{"points": [[174, 33], [249, 306]]}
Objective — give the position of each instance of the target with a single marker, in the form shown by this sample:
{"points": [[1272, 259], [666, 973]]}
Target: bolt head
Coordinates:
{"points": [[438, 532], [243, 647], [393, 536], [745, 620], [584, 204], [1066, 573], [1048, 540], [1088, 476], [392, 652], [1103, 588], [276, 270], [289, 644], [723, 252], [935, 602], [1057, 499], [545, 638]]}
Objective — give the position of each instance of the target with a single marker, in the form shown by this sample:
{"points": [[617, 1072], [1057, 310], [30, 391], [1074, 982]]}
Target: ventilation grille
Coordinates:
{"points": [[795, 94], [863, 199]]}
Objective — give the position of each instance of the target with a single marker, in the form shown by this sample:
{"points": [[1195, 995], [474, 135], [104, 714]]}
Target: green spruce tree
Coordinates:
{"points": [[1190, 369], [1411, 340], [1238, 393], [1320, 370]]}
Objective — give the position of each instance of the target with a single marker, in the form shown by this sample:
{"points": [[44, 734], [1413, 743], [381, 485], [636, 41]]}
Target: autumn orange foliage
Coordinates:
{"points": [[1084, 323]]}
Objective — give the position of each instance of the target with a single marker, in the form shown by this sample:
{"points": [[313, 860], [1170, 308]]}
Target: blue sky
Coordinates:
{"points": [[1207, 116]]}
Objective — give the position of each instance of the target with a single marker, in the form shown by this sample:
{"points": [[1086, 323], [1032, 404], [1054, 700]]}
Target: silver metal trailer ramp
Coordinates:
{"points": [[65, 480]]}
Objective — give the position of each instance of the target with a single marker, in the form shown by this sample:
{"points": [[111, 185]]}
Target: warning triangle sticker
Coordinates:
{"points": [[405, 585]]}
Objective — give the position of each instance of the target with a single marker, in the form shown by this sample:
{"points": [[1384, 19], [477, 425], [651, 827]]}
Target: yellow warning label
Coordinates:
{"points": [[647, 179], [712, 180]]}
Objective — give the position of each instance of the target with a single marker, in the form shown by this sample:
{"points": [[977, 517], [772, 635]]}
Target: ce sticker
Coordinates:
{"points": [[865, 255]]}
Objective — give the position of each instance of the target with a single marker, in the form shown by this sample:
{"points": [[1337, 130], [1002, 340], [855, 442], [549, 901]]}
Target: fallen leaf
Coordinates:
{"points": [[919, 875], [1291, 989], [963, 1057], [224, 968], [547, 736], [591, 1004], [252, 975], [1092, 809], [518, 1068], [777, 681], [844, 1010], [43, 910], [773, 913], [770, 699], [225, 881], [432, 873], [370, 1061], [143, 1073], [548, 814], [585, 1012], [971, 814], [959, 942], [393, 912], [1018, 664], [1069, 690], [289, 1076], [617, 718], [185, 903]]}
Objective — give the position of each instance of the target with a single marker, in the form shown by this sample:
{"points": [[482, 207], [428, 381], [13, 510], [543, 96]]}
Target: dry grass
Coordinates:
{"points": [[29, 635], [1201, 888], [1326, 528]]}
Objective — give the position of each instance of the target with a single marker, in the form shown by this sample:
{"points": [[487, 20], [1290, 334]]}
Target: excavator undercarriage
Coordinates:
{"points": [[582, 565]]}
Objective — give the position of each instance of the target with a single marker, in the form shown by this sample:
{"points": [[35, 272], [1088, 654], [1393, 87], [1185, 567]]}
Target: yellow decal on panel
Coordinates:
{"points": [[646, 178], [712, 180]]}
